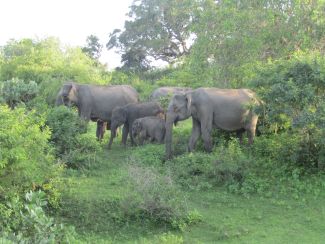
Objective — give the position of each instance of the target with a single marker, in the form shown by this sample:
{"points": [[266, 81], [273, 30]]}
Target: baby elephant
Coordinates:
{"points": [[127, 114], [151, 127]]}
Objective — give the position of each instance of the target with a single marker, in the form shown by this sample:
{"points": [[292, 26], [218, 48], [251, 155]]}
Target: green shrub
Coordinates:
{"points": [[155, 197], [65, 125], [17, 91], [32, 223], [40, 60], [149, 154], [75, 147], [226, 165], [26, 159], [292, 91], [84, 153]]}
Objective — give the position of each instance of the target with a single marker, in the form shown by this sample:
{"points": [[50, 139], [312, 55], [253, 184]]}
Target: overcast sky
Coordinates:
{"points": [[69, 20]]}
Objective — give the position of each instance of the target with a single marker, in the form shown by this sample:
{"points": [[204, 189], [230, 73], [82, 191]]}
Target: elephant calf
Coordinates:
{"points": [[128, 114], [102, 126], [151, 127]]}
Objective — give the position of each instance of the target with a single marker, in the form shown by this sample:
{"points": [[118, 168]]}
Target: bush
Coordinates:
{"points": [[17, 91], [294, 105], [155, 197], [84, 153], [73, 145], [149, 154], [226, 165], [32, 224], [26, 159], [66, 126]]}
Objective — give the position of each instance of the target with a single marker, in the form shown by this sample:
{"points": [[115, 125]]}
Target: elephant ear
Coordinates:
{"points": [[67, 88]]}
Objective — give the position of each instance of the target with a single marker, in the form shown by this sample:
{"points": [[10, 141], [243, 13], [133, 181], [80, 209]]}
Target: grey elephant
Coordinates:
{"points": [[227, 109], [127, 114], [166, 91], [96, 102], [151, 127]]}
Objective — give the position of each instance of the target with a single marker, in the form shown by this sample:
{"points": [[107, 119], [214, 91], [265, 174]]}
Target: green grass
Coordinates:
{"points": [[90, 201]]}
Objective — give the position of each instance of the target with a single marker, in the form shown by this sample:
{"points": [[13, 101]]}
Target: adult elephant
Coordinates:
{"points": [[227, 109], [96, 102], [166, 90]]}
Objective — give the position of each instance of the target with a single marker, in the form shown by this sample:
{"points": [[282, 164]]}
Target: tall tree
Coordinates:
{"points": [[93, 48], [233, 35], [157, 30]]}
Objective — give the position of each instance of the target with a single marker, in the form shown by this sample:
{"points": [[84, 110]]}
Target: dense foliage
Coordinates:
{"points": [[26, 158]]}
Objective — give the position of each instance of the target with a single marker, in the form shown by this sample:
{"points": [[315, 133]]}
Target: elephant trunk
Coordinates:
{"points": [[59, 101], [170, 118]]}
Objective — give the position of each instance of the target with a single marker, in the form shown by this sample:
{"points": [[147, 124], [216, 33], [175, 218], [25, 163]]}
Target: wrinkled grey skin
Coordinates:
{"points": [[165, 91], [227, 109], [127, 114], [95, 102], [151, 127]]}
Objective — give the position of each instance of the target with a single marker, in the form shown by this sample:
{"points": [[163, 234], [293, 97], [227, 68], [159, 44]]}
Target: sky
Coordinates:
{"points": [[69, 20]]}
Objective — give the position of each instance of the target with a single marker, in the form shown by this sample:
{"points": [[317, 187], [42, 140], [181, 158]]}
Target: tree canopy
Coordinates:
{"points": [[156, 30], [93, 47]]}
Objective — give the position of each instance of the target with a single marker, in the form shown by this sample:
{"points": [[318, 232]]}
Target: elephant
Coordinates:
{"points": [[151, 127], [165, 91], [226, 109], [96, 102], [127, 114], [101, 128]]}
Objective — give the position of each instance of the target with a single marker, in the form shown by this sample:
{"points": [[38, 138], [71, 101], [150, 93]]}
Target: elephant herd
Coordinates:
{"points": [[116, 105]]}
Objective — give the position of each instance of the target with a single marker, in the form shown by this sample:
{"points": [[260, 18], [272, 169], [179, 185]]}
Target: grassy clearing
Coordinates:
{"points": [[90, 204]]}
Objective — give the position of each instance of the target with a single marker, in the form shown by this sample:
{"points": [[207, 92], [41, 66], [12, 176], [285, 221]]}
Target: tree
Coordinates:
{"points": [[233, 35], [157, 30], [93, 48]]}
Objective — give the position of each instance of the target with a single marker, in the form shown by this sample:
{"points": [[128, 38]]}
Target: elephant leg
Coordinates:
{"points": [[131, 136], [101, 127], [103, 130], [206, 129], [239, 134], [141, 140], [113, 134], [142, 137], [118, 131], [98, 129], [196, 132], [125, 133], [159, 137], [252, 129]]}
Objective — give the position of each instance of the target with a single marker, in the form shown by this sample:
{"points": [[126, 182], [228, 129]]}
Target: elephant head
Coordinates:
{"points": [[136, 128], [67, 94], [179, 109]]}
